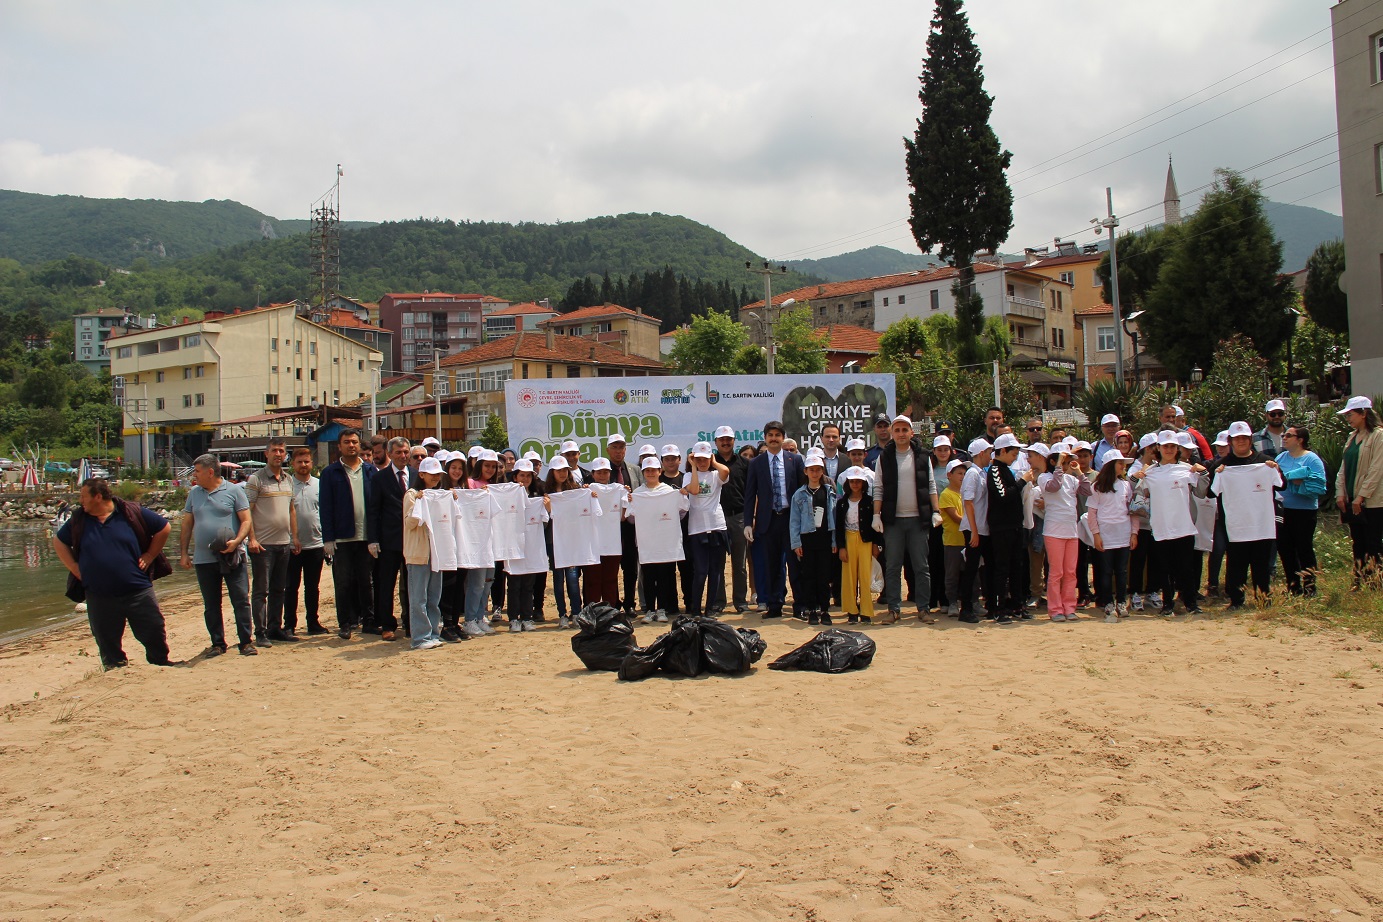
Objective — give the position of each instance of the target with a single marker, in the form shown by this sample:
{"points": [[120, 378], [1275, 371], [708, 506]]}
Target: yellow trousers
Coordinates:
{"points": [[857, 573]]}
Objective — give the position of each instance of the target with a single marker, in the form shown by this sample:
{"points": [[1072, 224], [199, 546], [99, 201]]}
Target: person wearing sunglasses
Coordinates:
{"points": [[1271, 438]]}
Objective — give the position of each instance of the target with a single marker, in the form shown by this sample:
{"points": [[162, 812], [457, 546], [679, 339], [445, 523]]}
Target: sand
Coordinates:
{"points": [[1211, 769]]}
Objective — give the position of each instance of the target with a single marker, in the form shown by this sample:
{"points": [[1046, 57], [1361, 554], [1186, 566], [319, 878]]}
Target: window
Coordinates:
{"points": [[885, 302], [407, 348], [273, 369], [573, 371], [158, 377], [936, 299], [466, 382], [407, 335], [86, 337], [201, 400], [369, 337], [494, 380], [902, 299], [359, 364], [477, 419], [1104, 341], [298, 347], [406, 319], [1057, 300], [549, 371], [194, 339], [335, 396], [312, 375], [407, 364], [1376, 53], [312, 348], [271, 400], [159, 403], [273, 345], [299, 374], [601, 327], [525, 370], [1378, 169], [336, 360], [1069, 278], [1058, 339], [1095, 278], [201, 371], [186, 400], [124, 352], [187, 374], [86, 352]]}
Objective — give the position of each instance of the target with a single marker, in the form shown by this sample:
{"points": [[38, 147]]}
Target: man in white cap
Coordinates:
{"points": [[1109, 428], [1268, 440], [732, 505], [572, 452], [431, 446], [904, 500], [627, 475]]}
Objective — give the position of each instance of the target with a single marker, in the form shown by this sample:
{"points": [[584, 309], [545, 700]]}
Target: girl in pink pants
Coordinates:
{"points": [[1059, 491]]}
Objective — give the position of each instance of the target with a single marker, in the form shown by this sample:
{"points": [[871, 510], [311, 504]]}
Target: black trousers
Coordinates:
{"points": [[453, 604], [108, 614], [497, 587], [1010, 576], [1366, 535], [1176, 559], [815, 566], [391, 567], [1240, 558], [521, 596], [1112, 575], [936, 563], [305, 571], [974, 556], [629, 566], [350, 570], [708, 551], [661, 580], [1296, 545]]}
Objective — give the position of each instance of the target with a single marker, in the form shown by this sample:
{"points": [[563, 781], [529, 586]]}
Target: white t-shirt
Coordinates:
{"points": [[975, 490], [657, 516], [705, 513], [436, 510], [1058, 506], [612, 498], [473, 518], [534, 541], [1110, 512], [1169, 500], [1204, 508], [1247, 494], [507, 501], [574, 542]]}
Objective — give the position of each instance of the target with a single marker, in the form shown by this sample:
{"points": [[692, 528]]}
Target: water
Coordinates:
{"points": [[32, 581]]}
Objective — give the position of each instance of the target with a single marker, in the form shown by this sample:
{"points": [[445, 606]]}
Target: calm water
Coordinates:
{"points": [[32, 581]]}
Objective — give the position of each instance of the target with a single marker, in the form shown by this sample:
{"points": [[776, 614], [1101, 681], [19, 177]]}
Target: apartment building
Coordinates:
{"points": [[516, 317], [630, 331], [92, 329], [430, 323], [185, 380]]}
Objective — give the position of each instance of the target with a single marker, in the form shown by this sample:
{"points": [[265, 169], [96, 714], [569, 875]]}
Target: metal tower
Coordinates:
{"points": [[324, 243]]}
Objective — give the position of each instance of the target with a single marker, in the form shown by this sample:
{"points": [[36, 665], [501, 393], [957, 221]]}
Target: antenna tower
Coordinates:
{"points": [[324, 243]]}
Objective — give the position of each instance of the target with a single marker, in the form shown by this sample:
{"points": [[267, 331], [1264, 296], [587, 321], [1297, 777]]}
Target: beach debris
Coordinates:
{"points": [[735, 881], [830, 651]]}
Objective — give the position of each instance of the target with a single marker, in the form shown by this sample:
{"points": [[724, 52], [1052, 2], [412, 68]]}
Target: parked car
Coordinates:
{"points": [[58, 467], [7, 465]]}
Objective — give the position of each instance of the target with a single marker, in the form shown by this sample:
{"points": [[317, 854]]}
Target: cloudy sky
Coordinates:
{"points": [[779, 123]]}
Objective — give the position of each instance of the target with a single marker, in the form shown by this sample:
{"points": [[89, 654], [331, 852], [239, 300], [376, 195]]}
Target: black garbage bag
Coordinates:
{"points": [[642, 662], [683, 654], [693, 646], [604, 635], [830, 651], [755, 643]]}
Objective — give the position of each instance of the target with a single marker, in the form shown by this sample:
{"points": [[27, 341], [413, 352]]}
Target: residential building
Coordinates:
{"points": [[849, 347], [632, 332], [1095, 334], [92, 329], [232, 368], [352, 320], [667, 341], [434, 322], [516, 317], [851, 302], [478, 375], [1357, 30]]}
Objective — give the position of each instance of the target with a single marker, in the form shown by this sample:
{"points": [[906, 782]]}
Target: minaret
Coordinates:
{"points": [[1171, 199]]}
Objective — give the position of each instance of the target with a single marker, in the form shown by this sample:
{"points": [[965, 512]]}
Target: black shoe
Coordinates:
{"points": [[118, 664], [248, 649], [825, 618], [1004, 619], [866, 619], [316, 630], [344, 633], [852, 619], [215, 649], [1195, 610], [171, 662], [1025, 615], [283, 637], [970, 619], [809, 617], [372, 629], [450, 635], [263, 640], [773, 613], [812, 618]]}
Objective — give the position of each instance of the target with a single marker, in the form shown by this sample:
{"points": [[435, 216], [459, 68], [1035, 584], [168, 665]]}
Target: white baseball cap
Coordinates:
{"points": [[1007, 440], [429, 466], [704, 446], [1040, 449], [978, 446], [702, 450], [1148, 439], [649, 463], [1222, 439], [953, 464], [474, 451], [1082, 445], [1178, 410], [600, 464], [855, 445], [442, 456], [1185, 441], [531, 456], [1239, 427], [616, 439], [1109, 418], [858, 473], [940, 440], [1070, 442], [1166, 437], [1275, 405], [671, 450], [1356, 403], [647, 450], [814, 461], [570, 445], [725, 432], [524, 465], [1113, 456], [430, 440], [900, 418], [558, 463]]}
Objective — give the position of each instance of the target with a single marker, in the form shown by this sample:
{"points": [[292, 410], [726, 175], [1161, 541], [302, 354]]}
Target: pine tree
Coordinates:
{"points": [[961, 201], [1323, 299]]}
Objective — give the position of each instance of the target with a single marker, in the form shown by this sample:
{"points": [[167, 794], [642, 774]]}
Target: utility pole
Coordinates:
{"points": [[1109, 223], [439, 389], [375, 380], [768, 271], [144, 450]]}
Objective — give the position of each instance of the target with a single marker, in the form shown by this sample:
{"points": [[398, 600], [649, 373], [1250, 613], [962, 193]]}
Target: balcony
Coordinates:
{"points": [[1026, 307], [1031, 347]]}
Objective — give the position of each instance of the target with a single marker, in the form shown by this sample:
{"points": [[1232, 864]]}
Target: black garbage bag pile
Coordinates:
{"points": [[830, 651], [604, 637], [693, 646]]}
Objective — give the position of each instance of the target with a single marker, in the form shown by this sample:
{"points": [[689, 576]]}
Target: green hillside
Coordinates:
{"points": [[1301, 230], [863, 264], [39, 228]]}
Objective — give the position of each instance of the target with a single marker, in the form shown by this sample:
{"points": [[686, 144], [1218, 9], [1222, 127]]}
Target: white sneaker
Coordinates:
{"points": [[529, 626], [648, 617], [485, 626], [1110, 614], [473, 629], [1121, 609], [1137, 601], [1154, 600], [564, 622], [660, 616], [516, 627]]}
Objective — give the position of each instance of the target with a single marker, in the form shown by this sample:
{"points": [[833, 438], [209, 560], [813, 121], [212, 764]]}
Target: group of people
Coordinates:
{"points": [[995, 530]]}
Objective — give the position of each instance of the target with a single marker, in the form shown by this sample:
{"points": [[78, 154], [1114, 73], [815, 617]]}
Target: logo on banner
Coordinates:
{"points": [[675, 395], [712, 396], [807, 409], [527, 398]]}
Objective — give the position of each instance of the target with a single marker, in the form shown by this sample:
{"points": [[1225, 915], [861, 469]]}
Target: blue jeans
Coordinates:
{"points": [[424, 603], [237, 583], [908, 536], [478, 592], [570, 578]]}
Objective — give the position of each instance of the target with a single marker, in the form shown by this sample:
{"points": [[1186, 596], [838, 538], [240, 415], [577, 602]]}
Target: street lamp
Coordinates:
{"points": [[768, 271], [1133, 335], [1110, 223], [1294, 314]]}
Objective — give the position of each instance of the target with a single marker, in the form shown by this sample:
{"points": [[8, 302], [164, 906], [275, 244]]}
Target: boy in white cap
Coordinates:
{"points": [[732, 505], [572, 452]]}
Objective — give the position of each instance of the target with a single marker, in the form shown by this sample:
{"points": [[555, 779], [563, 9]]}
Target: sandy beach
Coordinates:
{"points": [[1212, 769]]}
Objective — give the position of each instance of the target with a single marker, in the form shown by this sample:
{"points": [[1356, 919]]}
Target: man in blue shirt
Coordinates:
{"points": [[114, 568], [216, 525]]}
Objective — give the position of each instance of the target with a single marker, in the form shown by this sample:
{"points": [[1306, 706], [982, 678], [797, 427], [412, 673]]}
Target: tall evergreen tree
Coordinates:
{"points": [[1222, 278], [1323, 299], [961, 201]]}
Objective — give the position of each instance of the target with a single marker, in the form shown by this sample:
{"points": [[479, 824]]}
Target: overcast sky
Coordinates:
{"points": [[778, 123]]}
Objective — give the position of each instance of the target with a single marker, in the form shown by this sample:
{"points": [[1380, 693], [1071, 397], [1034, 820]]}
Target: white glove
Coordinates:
{"points": [[878, 523], [330, 548], [373, 549], [749, 533], [936, 519]]}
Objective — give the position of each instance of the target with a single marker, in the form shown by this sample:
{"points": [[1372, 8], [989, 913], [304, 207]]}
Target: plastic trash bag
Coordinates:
{"points": [[755, 643], [693, 646], [642, 662], [725, 649], [830, 651], [604, 636], [876, 577]]}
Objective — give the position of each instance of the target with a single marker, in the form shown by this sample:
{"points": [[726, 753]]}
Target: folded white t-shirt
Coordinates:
{"points": [[1246, 492], [657, 516], [574, 516]]}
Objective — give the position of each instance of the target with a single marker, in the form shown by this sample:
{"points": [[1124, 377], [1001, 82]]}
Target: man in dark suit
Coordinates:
{"points": [[344, 509], [774, 475], [622, 472], [384, 522]]}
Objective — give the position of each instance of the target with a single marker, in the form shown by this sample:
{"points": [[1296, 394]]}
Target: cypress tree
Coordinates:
{"points": [[961, 201]]}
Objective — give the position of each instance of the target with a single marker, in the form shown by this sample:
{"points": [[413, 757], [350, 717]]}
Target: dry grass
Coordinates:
{"points": [[1337, 604]]}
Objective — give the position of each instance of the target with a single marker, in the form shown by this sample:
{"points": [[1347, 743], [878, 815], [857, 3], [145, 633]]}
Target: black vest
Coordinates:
{"points": [[922, 468]]}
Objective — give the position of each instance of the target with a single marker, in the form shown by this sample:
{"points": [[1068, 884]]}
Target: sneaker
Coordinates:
{"points": [[1121, 609], [1072, 616], [1037, 602], [563, 622], [825, 617], [1137, 601], [812, 618], [1154, 600], [1168, 611], [852, 619], [529, 626], [283, 637], [215, 649], [473, 629], [1004, 618], [516, 627], [660, 617], [484, 625], [970, 619], [248, 649], [1111, 614], [450, 635], [263, 640], [344, 633], [953, 610], [648, 617], [1058, 616], [386, 635]]}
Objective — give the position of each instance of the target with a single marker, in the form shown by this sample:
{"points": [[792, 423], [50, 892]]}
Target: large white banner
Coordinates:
{"points": [[686, 409]]}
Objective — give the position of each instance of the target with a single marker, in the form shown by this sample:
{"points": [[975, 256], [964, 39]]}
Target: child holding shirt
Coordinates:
{"points": [[1060, 488], [1114, 534], [813, 540]]}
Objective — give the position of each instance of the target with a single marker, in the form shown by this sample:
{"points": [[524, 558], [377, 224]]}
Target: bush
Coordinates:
{"points": [[129, 490]]}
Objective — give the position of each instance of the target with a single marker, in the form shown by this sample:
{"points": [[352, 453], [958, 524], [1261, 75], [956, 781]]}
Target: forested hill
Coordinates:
{"points": [[40, 228]]}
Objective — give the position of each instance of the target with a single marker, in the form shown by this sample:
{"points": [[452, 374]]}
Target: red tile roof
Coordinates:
{"points": [[878, 283], [439, 296], [573, 350], [596, 312], [1101, 308], [1049, 261], [528, 307], [341, 317], [847, 337]]}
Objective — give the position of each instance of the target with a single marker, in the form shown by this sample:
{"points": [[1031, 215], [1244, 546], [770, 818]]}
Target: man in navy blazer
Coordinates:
{"points": [[774, 475], [344, 496], [384, 531]]}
